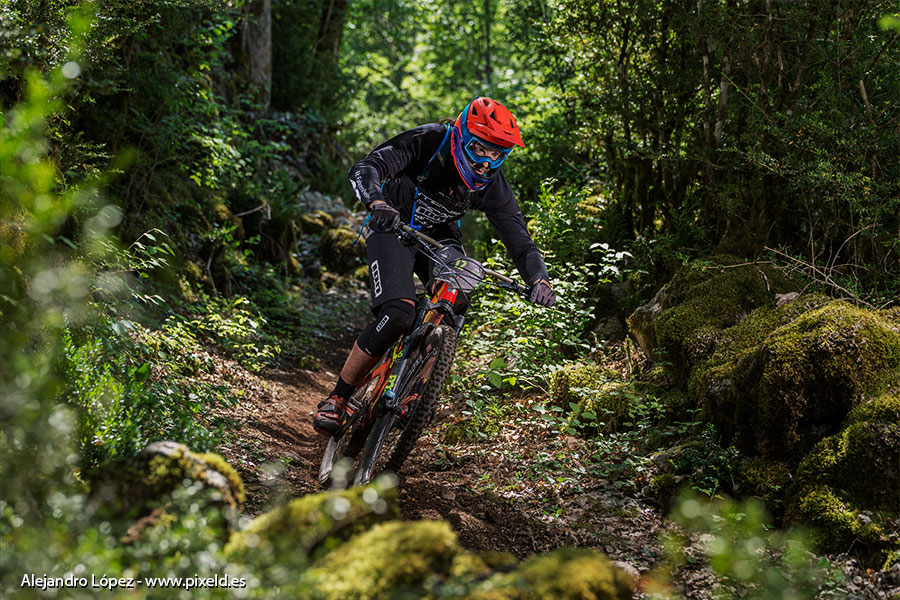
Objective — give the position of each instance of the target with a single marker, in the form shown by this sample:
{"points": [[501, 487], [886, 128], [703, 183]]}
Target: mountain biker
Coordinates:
{"points": [[409, 179]]}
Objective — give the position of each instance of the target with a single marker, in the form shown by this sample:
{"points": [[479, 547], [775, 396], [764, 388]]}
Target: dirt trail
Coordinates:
{"points": [[277, 453]]}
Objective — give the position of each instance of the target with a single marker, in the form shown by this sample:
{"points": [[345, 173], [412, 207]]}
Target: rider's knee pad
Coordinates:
{"points": [[394, 319]]}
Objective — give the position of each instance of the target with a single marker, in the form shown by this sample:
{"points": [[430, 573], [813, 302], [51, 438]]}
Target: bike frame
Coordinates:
{"points": [[390, 374]]}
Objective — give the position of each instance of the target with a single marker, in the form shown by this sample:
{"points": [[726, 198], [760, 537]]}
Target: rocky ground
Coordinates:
{"points": [[513, 490]]}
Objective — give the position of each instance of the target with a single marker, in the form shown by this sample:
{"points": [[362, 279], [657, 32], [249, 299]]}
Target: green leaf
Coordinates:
{"points": [[497, 363], [142, 373]]}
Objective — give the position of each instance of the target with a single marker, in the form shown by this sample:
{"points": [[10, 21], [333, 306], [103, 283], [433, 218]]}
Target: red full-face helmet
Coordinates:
{"points": [[483, 136]]}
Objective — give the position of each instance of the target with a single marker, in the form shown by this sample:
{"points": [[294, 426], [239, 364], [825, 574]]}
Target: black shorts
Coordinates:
{"points": [[392, 264]]}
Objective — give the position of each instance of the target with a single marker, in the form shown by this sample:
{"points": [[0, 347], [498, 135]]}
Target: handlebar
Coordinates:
{"points": [[503, 281]]}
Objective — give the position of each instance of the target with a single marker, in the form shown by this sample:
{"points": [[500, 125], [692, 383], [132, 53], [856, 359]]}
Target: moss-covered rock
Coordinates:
{"points": [[848, 487], [568, 383], [313, 523], [126, 491], [361, 273], [596, 397], [315, 222], [457, 432], [664, 487], [767, 480], [723, 385], [469, 566], [391, 560], [702, 300], [564, 573], [422, 559], [340, 251], [222, 215], [642, 323], [780, 395]]}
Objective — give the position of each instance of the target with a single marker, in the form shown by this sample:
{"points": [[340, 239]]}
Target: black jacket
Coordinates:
{"points": [[392, 173]]}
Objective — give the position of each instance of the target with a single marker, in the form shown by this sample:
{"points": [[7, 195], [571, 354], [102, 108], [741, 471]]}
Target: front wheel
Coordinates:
{"points": [[394, 436], [344, 446]]}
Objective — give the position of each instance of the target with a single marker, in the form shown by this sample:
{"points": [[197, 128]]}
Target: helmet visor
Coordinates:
{"points": [[481, 151]]}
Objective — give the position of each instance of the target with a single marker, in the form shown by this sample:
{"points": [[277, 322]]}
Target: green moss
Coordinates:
{"points": [[221, 213], [457, 432], [863, 460], [883, 409], [786, 376], [340, 250], [588, 388], [315, 222], [124, 491], [468, 568], [818, 367], [193, 272], [313, 522], [737, 342], [219, 464], [837, 525], [391, 560], [855, 472], [664, 487], [699, 303], [852, 347], [563, 574], [566, 383], [361, 273], [764, 479]]}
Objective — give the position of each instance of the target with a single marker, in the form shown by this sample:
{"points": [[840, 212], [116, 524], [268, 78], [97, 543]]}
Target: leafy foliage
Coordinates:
{"points": [[752, 559]]}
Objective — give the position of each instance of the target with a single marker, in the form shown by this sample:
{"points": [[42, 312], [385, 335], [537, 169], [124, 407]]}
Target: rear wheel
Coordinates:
{"points": [[394, 436]]}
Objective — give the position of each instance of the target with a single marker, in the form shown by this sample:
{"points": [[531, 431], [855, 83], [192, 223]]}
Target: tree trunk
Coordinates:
{"points": [[328, 46], [256, 50], [487, 43], [331, 30]]}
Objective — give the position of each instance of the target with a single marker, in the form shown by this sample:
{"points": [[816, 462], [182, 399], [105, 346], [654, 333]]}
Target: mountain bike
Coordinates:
{"points": [[389, 412]]}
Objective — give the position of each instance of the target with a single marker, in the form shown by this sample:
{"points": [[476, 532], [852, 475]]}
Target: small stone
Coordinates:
{"points": [[629, 569], [782, 299]]}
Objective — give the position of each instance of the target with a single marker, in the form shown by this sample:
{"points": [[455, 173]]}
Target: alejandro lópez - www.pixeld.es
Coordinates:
{"points": [[46, 582]]}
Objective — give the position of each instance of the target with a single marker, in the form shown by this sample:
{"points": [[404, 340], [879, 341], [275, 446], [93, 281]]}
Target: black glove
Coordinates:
{"points": [[542, 294], [384, 217]]}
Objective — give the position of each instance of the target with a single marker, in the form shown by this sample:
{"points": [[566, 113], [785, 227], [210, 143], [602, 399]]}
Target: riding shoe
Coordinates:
{"points": [[330, 415]]}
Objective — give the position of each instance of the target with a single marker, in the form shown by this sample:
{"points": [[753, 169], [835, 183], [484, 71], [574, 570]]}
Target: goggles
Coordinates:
{"points": [[480, 151]]}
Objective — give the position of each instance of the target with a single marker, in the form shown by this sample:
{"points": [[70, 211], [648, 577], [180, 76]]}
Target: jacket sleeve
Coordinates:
{"points": [[409, 151], [502, 210]]}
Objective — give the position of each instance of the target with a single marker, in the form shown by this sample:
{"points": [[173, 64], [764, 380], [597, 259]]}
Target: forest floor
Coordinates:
{"points": [[517, 490]]}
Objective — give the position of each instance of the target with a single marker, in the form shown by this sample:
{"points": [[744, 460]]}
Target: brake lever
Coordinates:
{"points": [[522, 290]]}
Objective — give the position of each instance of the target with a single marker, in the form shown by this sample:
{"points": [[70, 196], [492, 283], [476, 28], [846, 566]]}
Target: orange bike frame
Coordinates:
{"points": [[383, 371]]}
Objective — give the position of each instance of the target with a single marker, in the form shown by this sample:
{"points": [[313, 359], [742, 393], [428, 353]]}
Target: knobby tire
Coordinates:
{"points": [[350, 442], [443, 339]]}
